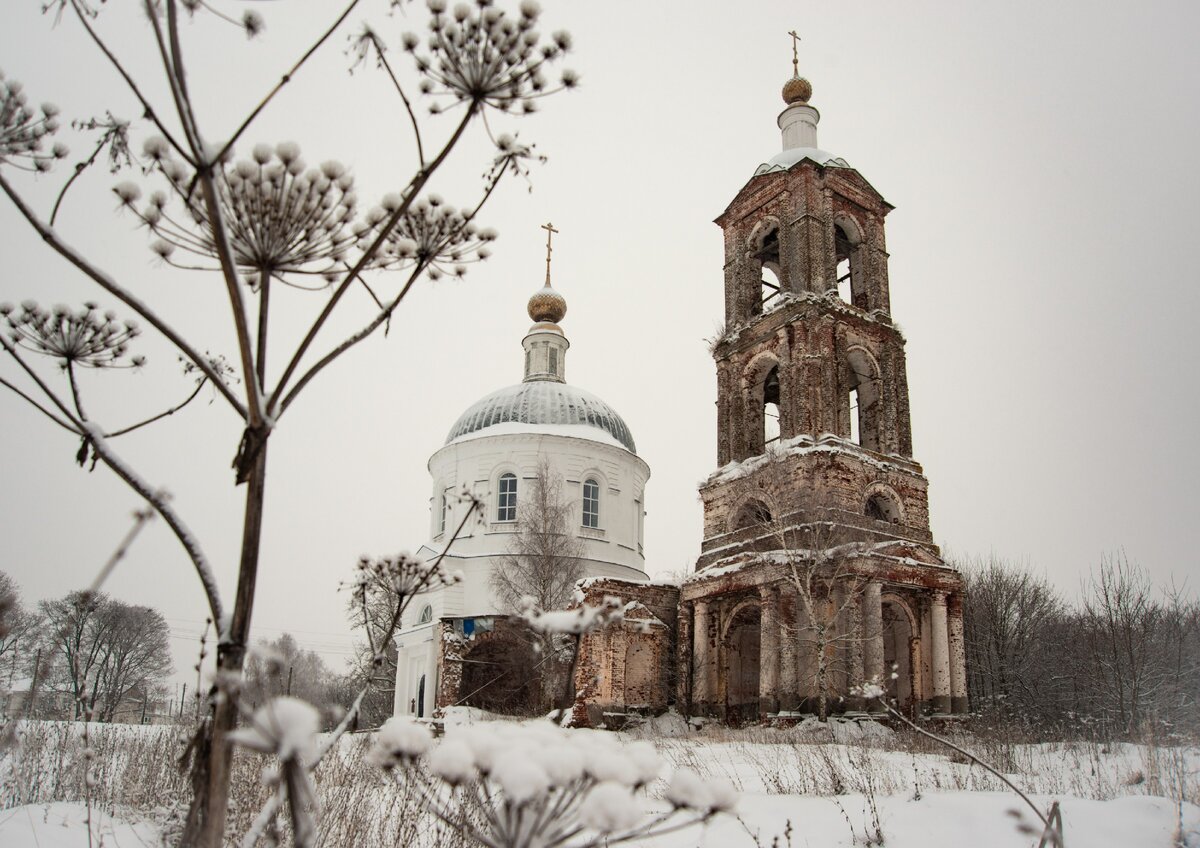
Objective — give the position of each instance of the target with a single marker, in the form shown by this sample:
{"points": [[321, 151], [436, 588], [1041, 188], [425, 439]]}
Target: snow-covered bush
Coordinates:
{"points": [[534, 784]]}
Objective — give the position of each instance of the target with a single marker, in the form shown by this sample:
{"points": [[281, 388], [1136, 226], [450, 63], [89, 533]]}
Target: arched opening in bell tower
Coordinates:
{"points": [[764, 251], [849, 276], [861, 411], [771, 408]]}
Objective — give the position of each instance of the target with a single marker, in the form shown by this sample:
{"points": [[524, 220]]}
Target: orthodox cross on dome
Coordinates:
{"points": [[550, 231], [795, 53]]}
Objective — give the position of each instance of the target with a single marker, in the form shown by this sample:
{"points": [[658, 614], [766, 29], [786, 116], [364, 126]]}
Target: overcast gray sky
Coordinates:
{"points": [[1041, 158]]}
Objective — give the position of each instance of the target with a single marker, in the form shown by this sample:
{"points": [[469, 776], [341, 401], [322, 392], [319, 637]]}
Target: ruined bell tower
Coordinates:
{"points": [[814, 448]]}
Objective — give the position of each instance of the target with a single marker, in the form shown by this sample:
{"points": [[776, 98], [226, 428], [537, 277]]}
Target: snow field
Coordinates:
{"points": [[797, 785]]}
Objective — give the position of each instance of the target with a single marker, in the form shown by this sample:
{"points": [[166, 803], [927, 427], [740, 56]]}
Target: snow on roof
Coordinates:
{"points": [[538, 404], [785, 160], [575, 431]]}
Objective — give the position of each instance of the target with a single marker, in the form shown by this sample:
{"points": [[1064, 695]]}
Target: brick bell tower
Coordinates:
{"points": [[814, 447]]}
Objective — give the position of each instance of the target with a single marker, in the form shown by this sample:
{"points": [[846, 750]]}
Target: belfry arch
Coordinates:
{"points": [[861, 379], [850, 276]]}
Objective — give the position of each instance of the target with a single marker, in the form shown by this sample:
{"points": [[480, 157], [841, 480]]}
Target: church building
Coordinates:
{"points": [[453, 639], [817, 569]]}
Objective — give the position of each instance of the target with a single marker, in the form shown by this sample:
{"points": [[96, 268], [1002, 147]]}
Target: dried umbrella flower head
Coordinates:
{"points": [[404, 575], [439, 237], [24, 131], [87, 338], [476, 54], [549, 785], [282, 217]]}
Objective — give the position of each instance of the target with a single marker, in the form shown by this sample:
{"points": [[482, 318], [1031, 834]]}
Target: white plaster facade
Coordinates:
{"points": [[510, 432]]}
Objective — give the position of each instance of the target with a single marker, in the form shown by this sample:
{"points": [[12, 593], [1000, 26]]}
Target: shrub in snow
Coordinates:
{"points": [[535, 784]]}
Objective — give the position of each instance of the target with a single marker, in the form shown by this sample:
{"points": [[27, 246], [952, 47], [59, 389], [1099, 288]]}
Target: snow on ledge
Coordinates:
{"points": [[801, 445]]}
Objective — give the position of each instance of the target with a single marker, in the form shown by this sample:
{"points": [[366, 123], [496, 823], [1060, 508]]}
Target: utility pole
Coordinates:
{"points": [[182, 698], [33, 684], [289, 686]]}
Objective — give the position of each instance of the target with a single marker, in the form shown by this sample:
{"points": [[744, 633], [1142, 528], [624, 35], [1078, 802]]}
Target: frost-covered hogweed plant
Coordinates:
{"points": [[476, 54], [25, 131], [404, 575], [508, 785], [286, 728], [430, 233], [282, 217], [87, 338]]}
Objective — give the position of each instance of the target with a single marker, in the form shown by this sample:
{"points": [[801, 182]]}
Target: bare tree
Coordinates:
{"points": [[545, 555], [544, 562], [103, 651], [264, 227], [829, 591], [1009, 616], [371, 612], [818, 554], [17, 631]]}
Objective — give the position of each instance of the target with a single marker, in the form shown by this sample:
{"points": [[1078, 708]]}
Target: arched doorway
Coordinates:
{"points": [[741, 664], [898, 653], [498, 676]]}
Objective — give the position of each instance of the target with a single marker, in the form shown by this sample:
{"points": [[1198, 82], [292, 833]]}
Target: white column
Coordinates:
{"points": [[940, 659], [768, 650], [872, 606]]}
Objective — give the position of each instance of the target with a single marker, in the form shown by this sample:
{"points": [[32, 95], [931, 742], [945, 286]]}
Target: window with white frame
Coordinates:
{"points": [[444, 513], [426, 615], [506, 502], [591, 503]]}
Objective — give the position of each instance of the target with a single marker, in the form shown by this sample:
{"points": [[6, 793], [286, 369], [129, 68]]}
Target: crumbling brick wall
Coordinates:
{"points": [[628, 666]]}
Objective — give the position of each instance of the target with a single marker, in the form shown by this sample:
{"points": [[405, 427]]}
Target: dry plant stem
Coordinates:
{"points": [[51, 237], [79, 169], [285, 79], [161, 415], [410, 194], [38, 406], [412, 117], [155, 498], [384, 315], [158, 500], [147, 110], [139, 521], [896, 714], [173, 66]]}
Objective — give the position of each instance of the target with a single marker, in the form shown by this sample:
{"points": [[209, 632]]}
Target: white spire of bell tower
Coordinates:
{"points": [[799, 120]]}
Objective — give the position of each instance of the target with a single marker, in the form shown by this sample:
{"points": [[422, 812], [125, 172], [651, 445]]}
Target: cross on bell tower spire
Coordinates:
{"points": [[795, 53]]}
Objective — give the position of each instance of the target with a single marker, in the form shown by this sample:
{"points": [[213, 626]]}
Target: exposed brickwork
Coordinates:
{"points": [[627, 667], [839, 476]]}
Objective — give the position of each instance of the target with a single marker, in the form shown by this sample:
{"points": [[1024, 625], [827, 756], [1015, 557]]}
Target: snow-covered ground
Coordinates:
{"points": [[798, 787]]}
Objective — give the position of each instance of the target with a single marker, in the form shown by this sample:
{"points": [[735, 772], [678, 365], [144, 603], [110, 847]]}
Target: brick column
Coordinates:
{"points": [[939, 661], [806, 658], [683, 661], [958, 658], [872, 609], [768, 650], [702, 693], [854, 650], [789, 645]]}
